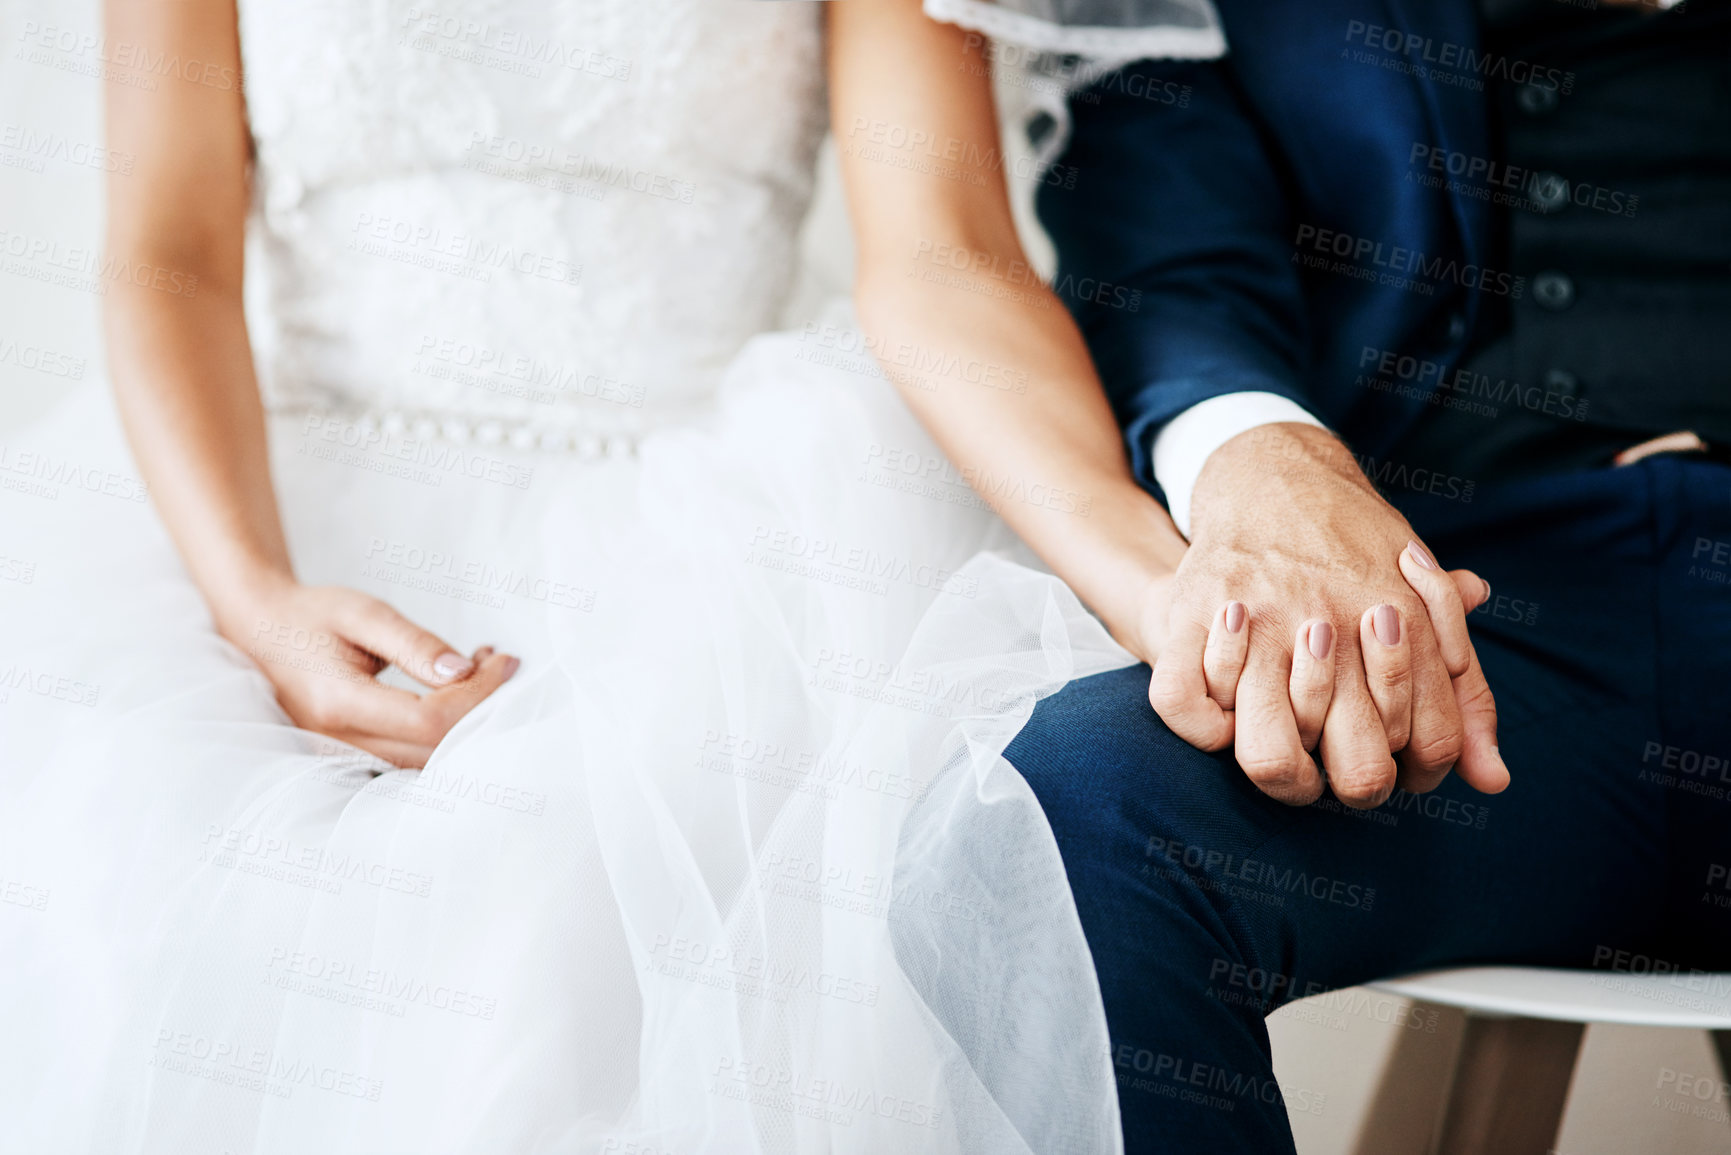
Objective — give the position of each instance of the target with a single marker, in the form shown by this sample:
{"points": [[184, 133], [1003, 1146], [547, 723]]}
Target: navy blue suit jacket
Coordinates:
{"points": [[1200, 187]]}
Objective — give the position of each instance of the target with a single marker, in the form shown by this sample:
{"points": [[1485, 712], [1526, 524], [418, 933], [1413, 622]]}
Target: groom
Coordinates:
{"points": [[1476, 254]]}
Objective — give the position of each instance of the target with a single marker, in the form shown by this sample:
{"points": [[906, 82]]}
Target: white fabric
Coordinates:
{"points": [[1102, 30], [734, 862], [1185, 443], [575, 212], [1045, 51]]}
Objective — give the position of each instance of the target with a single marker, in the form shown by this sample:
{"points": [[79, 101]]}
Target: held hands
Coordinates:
{"points": [[322, 646], [1306, 616]]}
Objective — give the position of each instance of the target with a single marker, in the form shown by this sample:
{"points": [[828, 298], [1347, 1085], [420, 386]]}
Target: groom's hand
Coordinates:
{"points": [[1307, 615]]}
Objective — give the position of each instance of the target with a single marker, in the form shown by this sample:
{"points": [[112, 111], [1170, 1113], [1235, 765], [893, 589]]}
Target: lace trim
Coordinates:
{"points": [[1052, 48], [1103, 42]]}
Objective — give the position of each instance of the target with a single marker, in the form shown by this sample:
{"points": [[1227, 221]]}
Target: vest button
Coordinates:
{"points": [[1535, 100], [1550, 192], [1457, 329], [1562, 382], [1553, 291]]}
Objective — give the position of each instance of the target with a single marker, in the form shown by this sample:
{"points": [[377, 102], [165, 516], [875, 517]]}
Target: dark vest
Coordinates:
{"points": [[1614, 191]]}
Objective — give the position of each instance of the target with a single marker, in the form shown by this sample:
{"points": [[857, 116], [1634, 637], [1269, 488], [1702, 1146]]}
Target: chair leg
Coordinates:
{"points": [[1722, 1044], [1510, 1086], [1412, 1090]]}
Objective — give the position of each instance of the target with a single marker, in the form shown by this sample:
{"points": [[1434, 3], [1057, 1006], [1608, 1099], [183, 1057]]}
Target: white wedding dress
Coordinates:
{"points": [[734, 863]]}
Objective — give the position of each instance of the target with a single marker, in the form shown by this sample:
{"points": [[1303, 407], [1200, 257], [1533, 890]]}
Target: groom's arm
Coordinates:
{"points": [[1171, 220], [1174, 222]]}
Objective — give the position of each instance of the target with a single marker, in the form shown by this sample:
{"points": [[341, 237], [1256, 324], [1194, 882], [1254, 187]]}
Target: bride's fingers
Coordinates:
{"points": [[421, 654], [1178, 695], [364, 707], [491, 671], [1312, 683], [354, 704], [1388, 671], [1444, 604], [1223, 658], [1474, 590]]}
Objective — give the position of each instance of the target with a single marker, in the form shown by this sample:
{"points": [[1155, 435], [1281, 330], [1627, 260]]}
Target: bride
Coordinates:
{"points": [[535, 711]]}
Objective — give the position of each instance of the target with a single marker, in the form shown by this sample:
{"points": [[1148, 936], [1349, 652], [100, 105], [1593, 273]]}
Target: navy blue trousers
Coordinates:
{"points": [[1607, 642]]}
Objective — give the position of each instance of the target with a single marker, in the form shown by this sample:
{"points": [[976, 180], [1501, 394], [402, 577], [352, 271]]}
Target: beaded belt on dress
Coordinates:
{"points": [[362, 424]]}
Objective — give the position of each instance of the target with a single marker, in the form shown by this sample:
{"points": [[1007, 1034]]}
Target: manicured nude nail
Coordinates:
{"points": [[511, 665], [448, 665], [1235, 615], [1421, 555], [1385, 622], [1321, 640]]}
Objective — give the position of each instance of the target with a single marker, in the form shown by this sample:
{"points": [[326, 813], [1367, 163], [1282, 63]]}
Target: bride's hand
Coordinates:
{"points": [[322, 647]]}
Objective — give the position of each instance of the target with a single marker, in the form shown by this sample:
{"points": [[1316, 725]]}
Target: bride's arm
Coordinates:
{"points": [[182, 372], [942, 281], [180, 364]]}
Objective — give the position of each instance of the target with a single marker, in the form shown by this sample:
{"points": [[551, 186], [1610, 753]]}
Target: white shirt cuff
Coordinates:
{"points": [[1185, 443]]}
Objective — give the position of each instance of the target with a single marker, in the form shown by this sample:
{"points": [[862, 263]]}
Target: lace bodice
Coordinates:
{"points": [[563, 216]]}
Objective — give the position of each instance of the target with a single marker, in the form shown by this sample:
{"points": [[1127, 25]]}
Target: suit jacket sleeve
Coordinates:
{"points": [[1175, 246]]}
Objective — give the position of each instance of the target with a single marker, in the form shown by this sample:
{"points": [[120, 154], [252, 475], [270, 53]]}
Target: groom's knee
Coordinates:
{"points": [[1152, 830], [1117, 784]]}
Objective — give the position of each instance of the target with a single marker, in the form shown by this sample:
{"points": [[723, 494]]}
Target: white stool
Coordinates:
{"points": [[1523, 1031]]}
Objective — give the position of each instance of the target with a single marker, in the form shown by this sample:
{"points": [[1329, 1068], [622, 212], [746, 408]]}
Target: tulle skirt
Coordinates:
{"points": [[733, 864]]}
